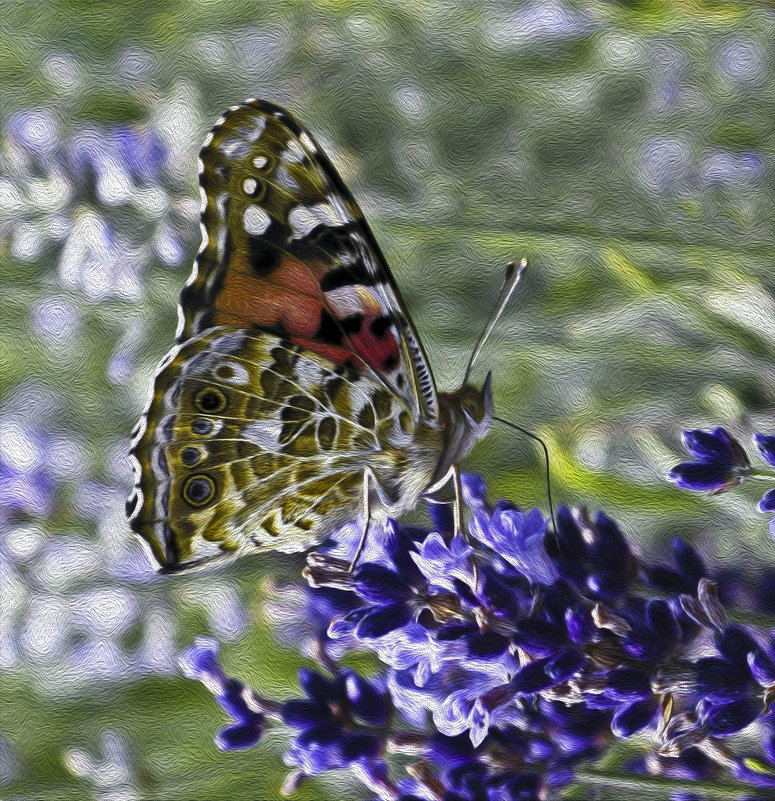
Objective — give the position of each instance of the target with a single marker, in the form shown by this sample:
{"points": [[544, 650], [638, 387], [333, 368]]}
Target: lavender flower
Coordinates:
{"points": [[515, 657], [339, 722], [720, 462], [200, 662]]}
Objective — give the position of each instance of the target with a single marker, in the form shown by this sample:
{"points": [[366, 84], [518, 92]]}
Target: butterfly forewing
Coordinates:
{"points": [[286, 250]]}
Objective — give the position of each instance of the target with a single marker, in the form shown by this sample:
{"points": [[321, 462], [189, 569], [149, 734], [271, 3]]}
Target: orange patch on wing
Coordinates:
{"points": [[289, 298]]}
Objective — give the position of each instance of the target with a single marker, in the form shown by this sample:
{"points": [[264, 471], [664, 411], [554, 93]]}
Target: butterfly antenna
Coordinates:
{"points": [[546, 460], [510, 282]]}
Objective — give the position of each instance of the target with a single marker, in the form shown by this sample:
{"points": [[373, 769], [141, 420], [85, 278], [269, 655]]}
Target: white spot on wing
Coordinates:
{"points": [[305, 139], [237, 374], [256, 220], [304, 218], [360, 397], [230, 342], [264, 433], [344, 301], [309, 373], [293, 152], [283, 178], [339, 208], [234, 148], [252, 133], [222, 239], [249, 186], [260, 162]]}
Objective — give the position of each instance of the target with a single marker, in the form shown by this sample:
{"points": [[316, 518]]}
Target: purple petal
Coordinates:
{"points": [[717, 446], [200, 661], [733, 716], [380, 621], [474, 490], [379, 585], [766, 445], [366, 701], [625, 682], [767, 503], [441, 563], [762, 668], [633, 717], [302, 714], [239, 737], [703, 477], [316, 686]]}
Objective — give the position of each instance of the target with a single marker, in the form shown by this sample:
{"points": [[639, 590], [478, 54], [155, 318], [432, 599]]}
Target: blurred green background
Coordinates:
{"points": [[625, 148]]}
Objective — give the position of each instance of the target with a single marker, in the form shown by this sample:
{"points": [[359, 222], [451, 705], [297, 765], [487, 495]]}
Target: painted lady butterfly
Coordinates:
{"points": [[298, 396]]}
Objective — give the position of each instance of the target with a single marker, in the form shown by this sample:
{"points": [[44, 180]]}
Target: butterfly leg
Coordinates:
{"points": [[457, 517], [453, 476], [366, 501], [457, 509]]}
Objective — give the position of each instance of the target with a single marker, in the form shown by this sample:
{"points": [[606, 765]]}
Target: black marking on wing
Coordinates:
{"points": [[263, 256]]}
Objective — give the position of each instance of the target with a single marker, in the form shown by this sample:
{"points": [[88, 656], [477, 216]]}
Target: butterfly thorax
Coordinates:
{"points": [[466, 417]]}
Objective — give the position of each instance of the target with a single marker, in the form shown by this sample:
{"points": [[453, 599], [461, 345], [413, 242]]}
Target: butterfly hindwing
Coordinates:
{"points": [[255, 442], [286, 250]]}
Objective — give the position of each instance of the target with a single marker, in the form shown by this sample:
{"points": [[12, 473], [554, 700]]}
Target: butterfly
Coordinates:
{"points": [[298, 396]]}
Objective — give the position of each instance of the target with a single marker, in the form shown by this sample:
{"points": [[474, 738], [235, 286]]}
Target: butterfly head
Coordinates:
{"points": [[476, 406], [466, 416]]}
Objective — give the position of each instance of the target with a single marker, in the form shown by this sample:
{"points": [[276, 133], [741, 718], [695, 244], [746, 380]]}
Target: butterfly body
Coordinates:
{"points": [[298, 390]]}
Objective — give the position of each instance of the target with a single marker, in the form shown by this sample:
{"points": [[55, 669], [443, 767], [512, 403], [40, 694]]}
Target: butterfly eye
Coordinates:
{"points": [[210, 400], [198, 490]]}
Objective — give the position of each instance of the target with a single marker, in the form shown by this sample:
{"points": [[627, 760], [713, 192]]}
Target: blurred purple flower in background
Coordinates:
{"points": [[95, 206], [104, 198]]}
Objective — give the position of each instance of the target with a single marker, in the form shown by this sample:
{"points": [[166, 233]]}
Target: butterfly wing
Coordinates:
{"points": [[252, 441], [286, 250], [297, 366]]}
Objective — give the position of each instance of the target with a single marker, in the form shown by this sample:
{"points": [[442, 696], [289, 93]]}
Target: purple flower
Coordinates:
{"points": [[337, 721], [517, 537], [684, 577], [35, 130], [721, 463], [200, 661], [442, 562], [392, 600], [765, 443], [594, 556], [143, 152], [513, 659], [766, 446]]}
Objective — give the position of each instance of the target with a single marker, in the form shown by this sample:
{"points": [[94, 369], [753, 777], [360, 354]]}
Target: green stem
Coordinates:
{"points": [[764, 475], [647, 786]]}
